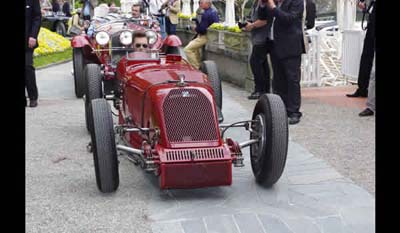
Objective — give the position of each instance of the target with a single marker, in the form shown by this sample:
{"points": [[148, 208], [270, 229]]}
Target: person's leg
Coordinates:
{"points": [[257, 64], [267, 74], [172, 29], [161, 20], [367, 58], [371, 90], [30, 78], [279, 81], [293, 74], [167, 25], [192, 50]]}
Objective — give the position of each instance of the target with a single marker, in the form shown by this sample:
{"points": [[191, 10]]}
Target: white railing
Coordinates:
{"points": [[333, 59], [353, 41], [310, 62]]}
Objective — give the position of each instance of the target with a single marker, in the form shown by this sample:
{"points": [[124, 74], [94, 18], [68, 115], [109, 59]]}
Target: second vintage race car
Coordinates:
{"points": [[168, 123], [99, 54]]}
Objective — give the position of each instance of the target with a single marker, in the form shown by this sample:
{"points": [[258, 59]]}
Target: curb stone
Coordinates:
{"points": [[53, 64]]}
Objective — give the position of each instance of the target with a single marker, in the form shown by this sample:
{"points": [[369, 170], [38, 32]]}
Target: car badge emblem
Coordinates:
{"points": [[185, 94]]}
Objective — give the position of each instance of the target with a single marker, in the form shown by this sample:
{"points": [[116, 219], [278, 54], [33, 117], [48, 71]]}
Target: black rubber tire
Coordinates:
{"points": [[104, 149], [60, 28], [177, 50], [92, 73], [268, 157], [78, 64], [210, 68]]}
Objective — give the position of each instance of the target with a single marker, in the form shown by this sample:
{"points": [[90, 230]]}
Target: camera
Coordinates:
{"points": [[242, 24]]}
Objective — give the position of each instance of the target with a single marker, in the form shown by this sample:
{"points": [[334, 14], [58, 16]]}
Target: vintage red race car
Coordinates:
{"points": [[168, 124]]}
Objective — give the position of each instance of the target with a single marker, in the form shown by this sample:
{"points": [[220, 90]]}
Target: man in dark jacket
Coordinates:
{"points": [[288, 45], [32, 26]]}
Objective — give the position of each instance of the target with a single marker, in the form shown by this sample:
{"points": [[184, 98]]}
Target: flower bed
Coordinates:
{"points": [[50, 42]]}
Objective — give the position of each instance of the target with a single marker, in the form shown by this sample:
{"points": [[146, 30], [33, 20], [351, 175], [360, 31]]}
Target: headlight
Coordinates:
{"points": [[125, 38], [102, 38], [152, 37]]}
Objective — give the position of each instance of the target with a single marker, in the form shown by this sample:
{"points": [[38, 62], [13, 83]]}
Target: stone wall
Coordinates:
{"points": [[230, 51]]}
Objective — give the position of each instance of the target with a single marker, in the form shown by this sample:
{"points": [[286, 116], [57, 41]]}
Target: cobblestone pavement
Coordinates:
{"points": [[61, 192]]}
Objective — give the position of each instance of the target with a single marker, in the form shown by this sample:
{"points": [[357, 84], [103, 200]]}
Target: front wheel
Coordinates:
{"points": [[60, 28], [93, 79], [78, 62], [104, 149], [268, 156]]}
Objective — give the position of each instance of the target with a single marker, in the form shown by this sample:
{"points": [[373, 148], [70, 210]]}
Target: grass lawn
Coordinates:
{"points": [[45, 60]]}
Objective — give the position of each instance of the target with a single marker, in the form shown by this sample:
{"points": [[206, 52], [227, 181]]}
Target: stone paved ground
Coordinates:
{"points": [[332, 130], [61, 193]]}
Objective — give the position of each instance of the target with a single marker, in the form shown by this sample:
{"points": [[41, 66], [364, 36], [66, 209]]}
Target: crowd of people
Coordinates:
{"points": [[55, 6], [276, 27]]}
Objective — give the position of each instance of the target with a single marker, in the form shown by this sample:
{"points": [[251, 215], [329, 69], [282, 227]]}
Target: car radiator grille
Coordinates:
{"points": [[189, 117], [197, 154]]}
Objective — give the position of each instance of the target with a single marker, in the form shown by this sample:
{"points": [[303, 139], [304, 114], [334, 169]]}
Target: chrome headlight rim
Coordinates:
{"points": [[126, 37], [102, 38], [151, 36]]}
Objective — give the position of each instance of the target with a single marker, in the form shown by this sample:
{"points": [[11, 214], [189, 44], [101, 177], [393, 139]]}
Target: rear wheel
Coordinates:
{"points": [[268, 156], [79, 81], [93, 79], [104, 149], [210, 68], [177, 50]]}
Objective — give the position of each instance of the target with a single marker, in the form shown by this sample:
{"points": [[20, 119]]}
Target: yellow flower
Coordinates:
{"points": [[50, 42]]}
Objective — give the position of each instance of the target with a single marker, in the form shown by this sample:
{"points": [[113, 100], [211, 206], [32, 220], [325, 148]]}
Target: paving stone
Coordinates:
{"points": [[309, 206], [273, 224], [332, 224], [302, 225], [249, 223], [221, 224], [312, 178], [359, 219], [194, 226], [167, 227]]}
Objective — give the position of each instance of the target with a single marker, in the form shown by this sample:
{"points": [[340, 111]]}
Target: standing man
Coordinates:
{"points": [[288, 45], [261, 47], [209, 17], [156, 10], [171, 19], [368, 52], [88, 9], [32, 26]]}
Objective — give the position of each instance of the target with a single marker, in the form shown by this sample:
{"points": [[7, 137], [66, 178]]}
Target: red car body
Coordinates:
{"points": [[189, 152]]}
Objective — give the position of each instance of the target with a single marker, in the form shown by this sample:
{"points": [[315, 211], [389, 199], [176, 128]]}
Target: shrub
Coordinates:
{"points": [[50, 42]]}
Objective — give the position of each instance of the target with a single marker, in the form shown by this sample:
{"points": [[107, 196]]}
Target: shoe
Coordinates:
{"points": [[294, 120], [366, 112], [33, 103], [358, 93], [255, 95]]}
